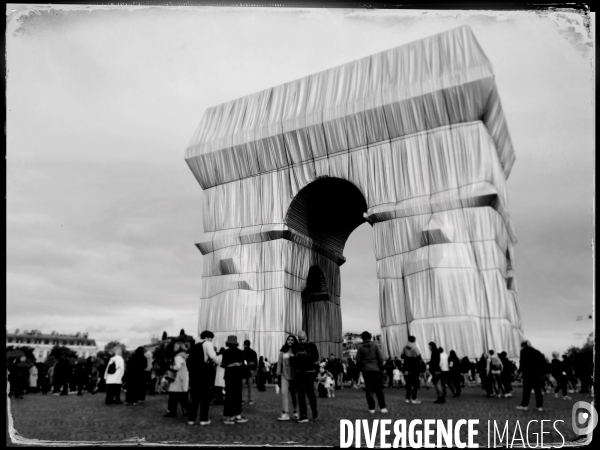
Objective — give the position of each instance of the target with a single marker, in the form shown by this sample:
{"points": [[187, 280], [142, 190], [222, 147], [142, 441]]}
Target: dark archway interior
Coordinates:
{"points": [[316, 287], [327, 211]]}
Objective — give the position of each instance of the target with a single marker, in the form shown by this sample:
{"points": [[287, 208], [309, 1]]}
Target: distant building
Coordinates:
{"points": [[352, 341], [43, 343]]}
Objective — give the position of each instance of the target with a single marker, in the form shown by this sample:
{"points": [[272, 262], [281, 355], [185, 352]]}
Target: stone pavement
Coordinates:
{"points": [[77, 419]]}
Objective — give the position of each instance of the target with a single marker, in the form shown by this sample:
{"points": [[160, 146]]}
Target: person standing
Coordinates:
{"points": [[233, 362], [114, 377], [219, 378], [202, 373], [21, 377], [445, 376], [455, 372], [33, 378], [559, 374], [331, 367], [351, 369], [568, 368], [62, 373], [267, 371], [389, 367], [305, 362], [369, 361], [398, 365], [412, 365], [436, 371], [251, 359], [285, 373], [532, 366], [136, 377], [179, 387], [483, 372], [262, 376], [494, 369], [508, 370], [147, 376], [81, 376]]}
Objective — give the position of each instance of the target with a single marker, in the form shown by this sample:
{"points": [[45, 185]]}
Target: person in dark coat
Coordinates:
{"points": [[568, 368], [261, 376], [201, 365], [436, 372], [135, 376], [62, 375], [235, 372], [412, 365], [369, 361], [558, 372], [465, 364], [21, 377], [81, 376], [455, 372], [508, 370], [352, 372], [251, 359], [532, 366], [305, 362]]}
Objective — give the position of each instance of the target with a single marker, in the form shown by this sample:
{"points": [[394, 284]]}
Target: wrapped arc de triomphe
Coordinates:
{"points": [[412, 140]]}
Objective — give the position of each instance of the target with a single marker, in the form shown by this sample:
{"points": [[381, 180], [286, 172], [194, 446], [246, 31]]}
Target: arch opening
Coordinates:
{"points": [[327, 211]]}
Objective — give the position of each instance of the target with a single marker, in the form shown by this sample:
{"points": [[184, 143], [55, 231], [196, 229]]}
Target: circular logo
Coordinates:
{"points": [[584, 418]]}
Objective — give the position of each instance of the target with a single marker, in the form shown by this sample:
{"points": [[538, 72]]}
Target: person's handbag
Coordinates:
{"points": [[112, 368]]}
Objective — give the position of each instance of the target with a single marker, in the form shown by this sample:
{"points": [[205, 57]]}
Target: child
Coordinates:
{"points": [[329, 385], [396, 378]]}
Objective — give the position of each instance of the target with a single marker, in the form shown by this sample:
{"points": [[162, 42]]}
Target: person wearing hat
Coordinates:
{"points": [[233, 362], [369, 361], [305, 361]]}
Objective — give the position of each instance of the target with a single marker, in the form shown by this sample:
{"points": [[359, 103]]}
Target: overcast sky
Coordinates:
{"points": [[103, 212]]}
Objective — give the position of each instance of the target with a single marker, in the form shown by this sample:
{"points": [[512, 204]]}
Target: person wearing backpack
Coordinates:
{"points": [[113, 377], [369, 361], [202, 370]]}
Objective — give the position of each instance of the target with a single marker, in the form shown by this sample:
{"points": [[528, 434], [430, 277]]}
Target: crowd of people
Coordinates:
{"points": [[197, 376]]}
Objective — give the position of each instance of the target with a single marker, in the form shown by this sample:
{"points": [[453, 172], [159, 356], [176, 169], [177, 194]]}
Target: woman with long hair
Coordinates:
{"points": [[285, 373], [436, 371]]}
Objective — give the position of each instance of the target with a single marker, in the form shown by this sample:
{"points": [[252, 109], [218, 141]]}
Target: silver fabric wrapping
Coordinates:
{"points": [[419, 130]]}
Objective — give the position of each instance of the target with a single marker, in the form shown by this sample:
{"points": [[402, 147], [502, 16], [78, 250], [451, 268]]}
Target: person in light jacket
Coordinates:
{"points": [[178, 388], [114, 381], [33, 378], [219, 378]]}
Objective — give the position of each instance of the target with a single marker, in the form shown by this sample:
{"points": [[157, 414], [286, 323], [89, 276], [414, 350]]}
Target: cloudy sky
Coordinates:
{"points": [[103, 212]]}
